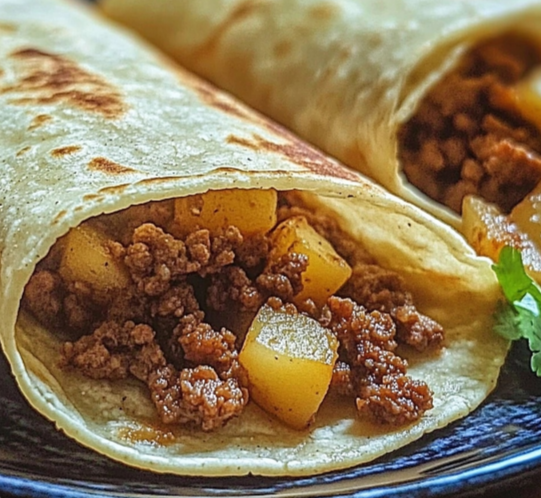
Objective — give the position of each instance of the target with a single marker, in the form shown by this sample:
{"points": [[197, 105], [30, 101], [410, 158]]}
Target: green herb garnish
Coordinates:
{"points": [[520, 317]]}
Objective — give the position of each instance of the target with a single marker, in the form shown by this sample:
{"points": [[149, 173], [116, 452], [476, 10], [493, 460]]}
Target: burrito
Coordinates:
{"points": [[441, 104], [188, 288]]}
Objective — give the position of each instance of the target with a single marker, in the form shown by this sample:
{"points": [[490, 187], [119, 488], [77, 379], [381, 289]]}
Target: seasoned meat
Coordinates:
{"points": [[44, 295], [112, 351], [196, 395], [367, 346], [416, 329], [468, 137], [383, 290], [232, 285], [283, 278]]}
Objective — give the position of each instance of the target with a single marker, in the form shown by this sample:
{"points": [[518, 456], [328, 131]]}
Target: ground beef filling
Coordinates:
{"points": [[467, 136], [176, 326]]}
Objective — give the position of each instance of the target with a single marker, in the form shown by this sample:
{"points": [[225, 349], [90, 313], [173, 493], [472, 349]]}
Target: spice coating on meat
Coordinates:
{"points": [[468, 136], [383, 290], [196, 395], [377, 375]]}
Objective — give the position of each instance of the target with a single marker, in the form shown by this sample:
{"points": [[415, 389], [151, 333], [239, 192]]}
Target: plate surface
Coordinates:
{"points": [[493, 447]]}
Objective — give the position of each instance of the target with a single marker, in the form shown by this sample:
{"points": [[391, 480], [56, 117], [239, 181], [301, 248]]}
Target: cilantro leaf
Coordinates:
{"points": [[508, 323], [520, 316], [513, 278]]}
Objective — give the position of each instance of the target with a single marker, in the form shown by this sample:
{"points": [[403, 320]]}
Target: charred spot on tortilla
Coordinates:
{"points": [[108, 167], [282, 48], [114, 189], [92, 197], [46, 78], [239, 13], [297, 152], [324, 11], [66, 150], [6, 28], [39, 120], [24, 150], [209, 95], [59, 216]]}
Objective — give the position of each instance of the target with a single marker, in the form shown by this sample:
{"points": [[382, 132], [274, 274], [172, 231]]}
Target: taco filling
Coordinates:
{"points": [[474, 145], [216, 298]]}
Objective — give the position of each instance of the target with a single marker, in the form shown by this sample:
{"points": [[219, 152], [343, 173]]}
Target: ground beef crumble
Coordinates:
{"points": [[158, 331], [468, 136], [377, 375]]}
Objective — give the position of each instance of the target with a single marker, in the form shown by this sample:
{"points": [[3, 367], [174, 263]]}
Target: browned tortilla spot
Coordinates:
{"points": [[24, 150], [115, 189], [39, 120], [109, 167], [211, 96], [91, 197], [7, 28], [242, 11], [46, 78], [161, 179], [296, 151], [282, 48], [64, 151], [59, 216], [323, 11]]}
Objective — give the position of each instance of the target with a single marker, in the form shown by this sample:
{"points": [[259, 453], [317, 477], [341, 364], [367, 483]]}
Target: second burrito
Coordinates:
{"points": [[441, 104]]}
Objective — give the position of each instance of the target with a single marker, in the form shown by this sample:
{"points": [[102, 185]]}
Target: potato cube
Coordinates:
{"points": [[527, 215], [326, 272], [86, 258], [289, 359], [488, 230], [251, 211]]}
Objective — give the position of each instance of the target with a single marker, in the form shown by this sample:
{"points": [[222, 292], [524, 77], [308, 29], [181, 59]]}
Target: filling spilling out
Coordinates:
{"points": [[215, 298], [474, 144]]}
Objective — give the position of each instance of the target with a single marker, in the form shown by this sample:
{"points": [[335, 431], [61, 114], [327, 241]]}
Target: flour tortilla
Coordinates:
{"points": [[343, 74], [93, 122]]}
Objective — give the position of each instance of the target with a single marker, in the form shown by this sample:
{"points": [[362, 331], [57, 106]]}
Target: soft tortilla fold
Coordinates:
{"points": [[94, 122], [344, 74]]}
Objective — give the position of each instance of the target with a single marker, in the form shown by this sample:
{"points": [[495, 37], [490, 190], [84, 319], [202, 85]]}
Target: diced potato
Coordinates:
{"points": [[326, 271], [86, 258], [526, 215], [289, 359], [527, 95], [488, 231], [251, 211]]}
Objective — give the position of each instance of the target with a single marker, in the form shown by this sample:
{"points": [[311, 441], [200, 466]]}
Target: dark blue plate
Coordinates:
{"points": [[495, 446]]}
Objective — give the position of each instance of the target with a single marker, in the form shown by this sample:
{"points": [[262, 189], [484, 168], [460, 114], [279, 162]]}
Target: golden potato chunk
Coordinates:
{"points": [[289, 359], [488, 230], [526, 215], [326, 272], [86, 258], [252, 211]]}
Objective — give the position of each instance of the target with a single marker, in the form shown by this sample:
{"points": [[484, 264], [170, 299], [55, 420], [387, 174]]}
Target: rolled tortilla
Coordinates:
{"points": [[346, 75], [94, 122]]}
